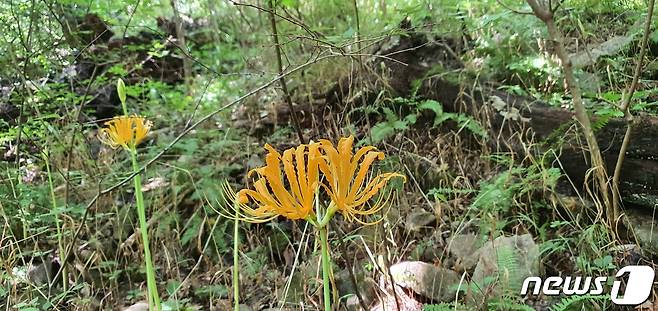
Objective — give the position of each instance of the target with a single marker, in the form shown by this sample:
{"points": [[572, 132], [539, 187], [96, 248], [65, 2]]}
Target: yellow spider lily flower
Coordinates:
{"points": [[348, 189], [124, 131], [294, 197]]}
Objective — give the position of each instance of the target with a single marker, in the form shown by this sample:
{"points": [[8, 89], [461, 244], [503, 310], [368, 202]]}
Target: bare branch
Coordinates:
{"points": [[598, 166], [540, 11], [507, 7], [626, 100], [282, 80]]}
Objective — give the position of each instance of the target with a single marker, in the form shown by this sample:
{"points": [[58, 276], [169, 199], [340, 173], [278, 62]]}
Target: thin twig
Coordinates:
{"points": [[27, 45], [507, 7], [282, 80], [180, 37], [130, 18], [76, 120], [628, 95], [291, 20]]}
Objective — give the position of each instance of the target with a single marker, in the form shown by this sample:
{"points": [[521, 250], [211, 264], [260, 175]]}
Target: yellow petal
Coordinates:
{"points": [[363, 171], [289, 169], [313, 174], [294, 199], [373, 187], [125, 131]]}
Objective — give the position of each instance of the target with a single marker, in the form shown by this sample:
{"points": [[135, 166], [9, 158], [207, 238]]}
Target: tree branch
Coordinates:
{"points": [[282, 80], [597, 164], [626, 100]]}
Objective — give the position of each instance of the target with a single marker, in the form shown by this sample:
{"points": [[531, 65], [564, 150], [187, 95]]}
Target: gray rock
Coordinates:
{"points": [[644, 201], [418, 219], [40, 271], [503, 265], [589, 82], [345, 286], [645, 229], [425, 279], [465, 249], [140, 306], [227, 304], [352, 303], [404, 302], [613, 46], [244, 307]]}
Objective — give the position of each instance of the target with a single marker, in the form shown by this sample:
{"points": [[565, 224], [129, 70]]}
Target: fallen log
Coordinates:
{"points": [[414, 57], [639, 177]]}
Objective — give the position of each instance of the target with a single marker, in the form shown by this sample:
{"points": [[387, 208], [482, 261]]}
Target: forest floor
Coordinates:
{"points": [[497, 185]]}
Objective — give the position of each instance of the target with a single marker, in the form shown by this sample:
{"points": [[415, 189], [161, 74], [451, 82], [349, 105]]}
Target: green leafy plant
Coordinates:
{"points": [[508, 303], [509, 279], [509, 272], [500, 193], [580, 302], [390, 126], [445, 307], [463, 121], [393, 124]]}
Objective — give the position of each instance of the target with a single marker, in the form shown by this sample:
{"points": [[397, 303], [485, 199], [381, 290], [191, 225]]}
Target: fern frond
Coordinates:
{"points": [[567, 302], [508, 303], [600, 122], [508, 269], [446, 307]]}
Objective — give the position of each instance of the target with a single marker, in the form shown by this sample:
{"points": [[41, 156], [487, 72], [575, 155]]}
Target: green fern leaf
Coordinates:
{"points": [[567, 302]]}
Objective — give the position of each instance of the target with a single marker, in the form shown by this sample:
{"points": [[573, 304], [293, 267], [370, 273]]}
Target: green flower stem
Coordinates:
{"points": [[60, 244], [153, 297], [236, 270], [312, 221], [331, 210], [326, 266]]}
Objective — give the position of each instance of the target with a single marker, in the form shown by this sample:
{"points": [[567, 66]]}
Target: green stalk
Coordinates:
{"points": [[153, 297], [60, 244], [236, 270], [152, 286], [326, 266], [331, 210]]}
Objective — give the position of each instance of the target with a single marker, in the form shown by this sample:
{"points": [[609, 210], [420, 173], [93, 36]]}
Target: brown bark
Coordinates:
{"points": [[180, 37], [282, 80]]}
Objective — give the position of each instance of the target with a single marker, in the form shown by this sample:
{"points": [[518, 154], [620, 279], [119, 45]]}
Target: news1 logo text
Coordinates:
{"points": [[638, 285]]}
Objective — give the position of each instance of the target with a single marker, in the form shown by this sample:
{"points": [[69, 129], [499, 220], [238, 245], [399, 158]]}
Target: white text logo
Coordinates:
{"points": [[638, 287]]}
